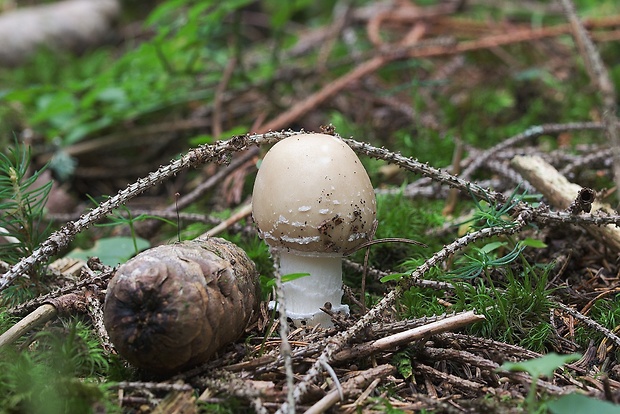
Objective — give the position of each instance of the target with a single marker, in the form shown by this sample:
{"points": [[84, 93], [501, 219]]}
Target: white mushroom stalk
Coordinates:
{"points": [[312, 202]]}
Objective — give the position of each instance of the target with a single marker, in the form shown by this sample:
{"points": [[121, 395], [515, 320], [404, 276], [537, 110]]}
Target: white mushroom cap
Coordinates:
{"points": [[313, 195]]}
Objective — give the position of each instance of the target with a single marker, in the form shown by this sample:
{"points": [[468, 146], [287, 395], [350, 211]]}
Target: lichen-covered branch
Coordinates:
{"points": [[561, 193], [60, 239]]}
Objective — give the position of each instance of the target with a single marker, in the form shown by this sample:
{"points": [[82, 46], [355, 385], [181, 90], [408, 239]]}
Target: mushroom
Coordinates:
{"points": [[313, 202]]}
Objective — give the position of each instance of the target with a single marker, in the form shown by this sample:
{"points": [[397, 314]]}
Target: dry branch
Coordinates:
{"points": [[590, 322], [61, 238], [561, 193], [359, 381], [401, 338], [41, 315]]}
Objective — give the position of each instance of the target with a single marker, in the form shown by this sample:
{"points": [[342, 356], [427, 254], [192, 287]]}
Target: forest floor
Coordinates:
{"points": [[489, 131]]}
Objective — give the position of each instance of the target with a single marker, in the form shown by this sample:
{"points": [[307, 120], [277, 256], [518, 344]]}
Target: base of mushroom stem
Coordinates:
{"points": [[313, 318]]}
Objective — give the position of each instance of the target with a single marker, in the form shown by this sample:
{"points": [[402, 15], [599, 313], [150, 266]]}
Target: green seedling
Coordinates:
{"points": [[581, 404], [539, 367], [127, 219], [22, 204], [269, 283], [112, 251], [402, 360], [482, 259]]}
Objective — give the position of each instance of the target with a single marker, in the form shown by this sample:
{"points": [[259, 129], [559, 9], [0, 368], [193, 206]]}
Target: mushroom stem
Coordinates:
{"points": [[303, 297]]}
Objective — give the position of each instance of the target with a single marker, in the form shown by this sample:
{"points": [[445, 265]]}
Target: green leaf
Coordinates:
{"points": [[488, 248], [286, 278], [113, 94], [393, 276], [57, 108], [581, 404], [538, 244], [111, 250], [403, 364], [292, 276], [80, 131], [543, 366]]}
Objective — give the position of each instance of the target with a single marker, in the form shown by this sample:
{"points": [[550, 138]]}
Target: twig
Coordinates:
{"points": [[350, 386], [61, 238], [359, 71], [97, 279], [561, 193], [334, 377], [596, 218], [457, 158], [426, 170], [154, 386], [201, 189], [362, 397], [411, 335], [40, 316], [487, 365], [426, 283], [506, 38], [450, 378], [381, 329], [590, 322], [285, 346], [588, 160], [505, 171], [269, 364], [227, 383], [164, 214], [528, 134], [243, 212], [219, 92], [306, 105], [485, 344], [95, 311]]}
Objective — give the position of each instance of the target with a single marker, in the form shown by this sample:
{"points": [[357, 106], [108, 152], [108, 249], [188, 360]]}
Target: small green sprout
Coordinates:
{"points": [[538, 367]]}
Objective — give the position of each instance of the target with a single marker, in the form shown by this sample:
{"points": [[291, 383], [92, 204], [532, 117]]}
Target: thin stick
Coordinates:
{"points": [[561, 193], [40, 316], [219, 92], [522, 137], [322, 95], [354, 383], [243, 212], [285, 347], [208, 153], [393, 341], [64, 304], [590, 322]]}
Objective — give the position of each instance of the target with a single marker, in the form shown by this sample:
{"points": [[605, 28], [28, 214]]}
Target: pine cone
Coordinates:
{"points": [[172, 307]]}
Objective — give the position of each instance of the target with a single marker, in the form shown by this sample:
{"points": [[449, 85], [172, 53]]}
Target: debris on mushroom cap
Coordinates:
{"points": [[172, 307], [313, 195]]}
